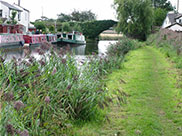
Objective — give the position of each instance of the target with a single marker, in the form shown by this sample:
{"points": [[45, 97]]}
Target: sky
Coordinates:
{"points": [[50, 8]]}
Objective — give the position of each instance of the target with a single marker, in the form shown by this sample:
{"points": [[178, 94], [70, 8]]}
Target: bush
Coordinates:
{"points": [[169, 42]]}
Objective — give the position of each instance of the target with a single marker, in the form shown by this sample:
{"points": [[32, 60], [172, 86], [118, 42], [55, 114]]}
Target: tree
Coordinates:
{"points": [[78, 16], [159, 16], [83, 16], [135, 17], [64, 18], [40, 25], [66, 27], [163, 4]]}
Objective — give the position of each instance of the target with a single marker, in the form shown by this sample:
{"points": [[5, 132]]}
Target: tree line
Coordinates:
{"points": [[138, 17]]}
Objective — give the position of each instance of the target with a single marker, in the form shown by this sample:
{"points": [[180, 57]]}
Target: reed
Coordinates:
{"points": [[42, 96]]}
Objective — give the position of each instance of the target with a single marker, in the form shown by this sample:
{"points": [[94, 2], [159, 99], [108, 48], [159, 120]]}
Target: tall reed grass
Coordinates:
{"points": [[169, 42], [43, 96]]}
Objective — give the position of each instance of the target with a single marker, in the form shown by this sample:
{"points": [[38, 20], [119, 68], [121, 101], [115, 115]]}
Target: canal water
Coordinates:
{"points": [[99, 47]]}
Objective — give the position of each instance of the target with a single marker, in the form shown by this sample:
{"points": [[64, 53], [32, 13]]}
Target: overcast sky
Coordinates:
{"points": [[102, 8]]}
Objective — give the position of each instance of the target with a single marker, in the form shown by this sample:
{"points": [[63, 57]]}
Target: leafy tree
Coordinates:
{"points": [[135, 17], [163, 4], [66, 27], [40, 25], [83, 16], [64, 18], [78, 16], [159, 16]]}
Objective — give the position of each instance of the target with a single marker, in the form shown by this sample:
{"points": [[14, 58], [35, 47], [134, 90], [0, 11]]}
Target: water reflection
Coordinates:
{"points": [[79, 50]]}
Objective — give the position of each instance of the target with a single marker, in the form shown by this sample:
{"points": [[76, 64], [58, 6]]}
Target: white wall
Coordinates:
{"points": [[179, 20], [24, 17], [5, 11], [176, 27], [166, 22]]}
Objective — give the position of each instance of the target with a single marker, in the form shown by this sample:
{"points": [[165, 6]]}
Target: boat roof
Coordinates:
{"points": [[10, 6]]}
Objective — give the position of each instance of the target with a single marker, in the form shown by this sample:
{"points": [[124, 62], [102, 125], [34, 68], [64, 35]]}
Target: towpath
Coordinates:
{"points": [[151, 99]]}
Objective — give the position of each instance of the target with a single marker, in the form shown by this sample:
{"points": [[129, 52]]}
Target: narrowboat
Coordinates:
{"points": [[11, 39], [71, 38], [52, 38], [35, 39]]}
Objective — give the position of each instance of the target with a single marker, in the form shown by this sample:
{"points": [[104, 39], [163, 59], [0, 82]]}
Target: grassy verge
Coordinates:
{"points": [[152, 98]]}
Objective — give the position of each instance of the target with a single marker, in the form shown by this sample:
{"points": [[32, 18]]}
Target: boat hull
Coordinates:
{"points": [[11, 40], [68, 41]]}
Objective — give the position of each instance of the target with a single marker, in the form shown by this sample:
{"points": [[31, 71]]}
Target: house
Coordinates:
{"points": [[22, 17], [173, 21]]}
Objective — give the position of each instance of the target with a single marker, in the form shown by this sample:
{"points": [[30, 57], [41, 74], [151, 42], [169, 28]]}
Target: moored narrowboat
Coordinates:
{"points": [[71, 38], [11, 40], [52, 38], [35, 39]]}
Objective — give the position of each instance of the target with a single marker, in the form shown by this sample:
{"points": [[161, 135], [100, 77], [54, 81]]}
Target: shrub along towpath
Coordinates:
{"points": [[149, 99]]}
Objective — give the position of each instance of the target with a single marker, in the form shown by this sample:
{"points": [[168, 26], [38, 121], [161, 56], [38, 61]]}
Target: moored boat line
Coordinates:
{"points": [[11, 39]]}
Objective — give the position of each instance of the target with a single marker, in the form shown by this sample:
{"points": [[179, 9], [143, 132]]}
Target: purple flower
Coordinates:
{"points": [[47, 99], [24, 133], [10, 129], [8, 96], [63, 61], [69, 87], [1, 59], [18, 105], [42, 63], [54, 71]]}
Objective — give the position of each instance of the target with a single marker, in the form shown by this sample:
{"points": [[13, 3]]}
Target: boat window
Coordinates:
{"points": [[37, 39], [69, 36]]}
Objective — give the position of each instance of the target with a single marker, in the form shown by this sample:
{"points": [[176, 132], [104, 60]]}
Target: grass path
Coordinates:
{"points": [[150, 103], [151, 108]]}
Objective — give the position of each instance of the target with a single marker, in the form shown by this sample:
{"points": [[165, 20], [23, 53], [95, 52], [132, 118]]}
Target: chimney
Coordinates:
{"points": [[18, 2]]}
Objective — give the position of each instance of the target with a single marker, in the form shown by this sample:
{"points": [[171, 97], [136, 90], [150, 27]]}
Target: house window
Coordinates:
{"points": [[180, 21], [19, 16], [1, 13]]}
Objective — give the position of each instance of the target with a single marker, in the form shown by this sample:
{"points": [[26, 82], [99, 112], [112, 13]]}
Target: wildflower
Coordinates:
{"points": [[69, 87], [75, 78], [24, 133], [1, 59], [47, 99], [54, 71], [18, 105], [10, 129], [31, 59], [8, 96], [42, 63], [93, 53], [63, 61]]}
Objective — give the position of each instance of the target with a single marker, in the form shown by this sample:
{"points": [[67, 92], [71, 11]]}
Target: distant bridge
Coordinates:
{"points": [[92, 29]]}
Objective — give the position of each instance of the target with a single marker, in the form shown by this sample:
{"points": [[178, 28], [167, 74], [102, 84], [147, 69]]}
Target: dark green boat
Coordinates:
{"points": [[71, 38]]}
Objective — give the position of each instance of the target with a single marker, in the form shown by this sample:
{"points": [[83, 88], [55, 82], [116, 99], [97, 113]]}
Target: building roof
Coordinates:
{"points": [[10, 6], [174, 24], [21, 7], [173, 16]]}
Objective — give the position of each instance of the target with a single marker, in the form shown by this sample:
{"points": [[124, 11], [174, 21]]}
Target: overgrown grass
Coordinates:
{"points": [[46, 96], [169, 42]]}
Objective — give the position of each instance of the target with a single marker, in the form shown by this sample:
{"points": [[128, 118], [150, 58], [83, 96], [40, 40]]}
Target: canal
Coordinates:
{"points": [[99, 47]]}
